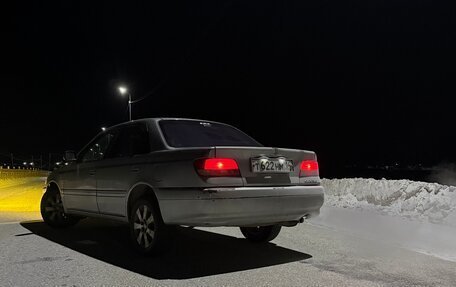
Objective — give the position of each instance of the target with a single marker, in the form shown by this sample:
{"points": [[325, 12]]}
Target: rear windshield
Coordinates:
{"points": [[202, 134]]}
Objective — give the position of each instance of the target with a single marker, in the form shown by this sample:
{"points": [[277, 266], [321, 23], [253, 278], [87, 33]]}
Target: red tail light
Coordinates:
{"points": [[217, 167], [309, 168]]}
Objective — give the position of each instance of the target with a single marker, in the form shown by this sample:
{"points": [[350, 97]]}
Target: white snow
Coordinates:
{"points": [[422, 201], [418, 216]]}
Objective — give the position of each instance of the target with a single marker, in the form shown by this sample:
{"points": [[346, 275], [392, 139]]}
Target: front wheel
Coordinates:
{"points": [[52, 210], [261, 234]]}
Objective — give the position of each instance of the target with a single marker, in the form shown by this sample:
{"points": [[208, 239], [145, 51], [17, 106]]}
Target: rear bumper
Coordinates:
{"points": [[240, 206]]}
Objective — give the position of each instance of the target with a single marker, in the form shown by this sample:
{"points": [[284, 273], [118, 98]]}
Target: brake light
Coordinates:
{"points": [[217, 167], [309, 168]]}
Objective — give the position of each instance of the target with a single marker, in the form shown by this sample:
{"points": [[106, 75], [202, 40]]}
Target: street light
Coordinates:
{"points": [[123, 90]]}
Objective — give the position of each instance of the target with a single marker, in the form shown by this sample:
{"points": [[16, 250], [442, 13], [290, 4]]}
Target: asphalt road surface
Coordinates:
{"points": [[97, 253]]}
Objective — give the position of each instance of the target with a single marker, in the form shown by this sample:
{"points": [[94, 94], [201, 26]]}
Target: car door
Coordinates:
{"points": [[79, 186], [121, 168]]}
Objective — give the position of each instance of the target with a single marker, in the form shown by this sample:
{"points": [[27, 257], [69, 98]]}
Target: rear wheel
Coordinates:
{"points": [[261, 234], [148, 233], [53, 212]]}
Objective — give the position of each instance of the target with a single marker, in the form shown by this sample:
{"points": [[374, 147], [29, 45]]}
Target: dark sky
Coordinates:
{"points": [[357, 81]]}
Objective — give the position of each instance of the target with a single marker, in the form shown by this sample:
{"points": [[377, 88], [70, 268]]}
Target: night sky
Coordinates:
{"points": [[359, 82]]}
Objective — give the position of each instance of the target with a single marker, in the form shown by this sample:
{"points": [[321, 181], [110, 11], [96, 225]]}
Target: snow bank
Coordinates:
{"points": [[418, 200], [418, 216]]}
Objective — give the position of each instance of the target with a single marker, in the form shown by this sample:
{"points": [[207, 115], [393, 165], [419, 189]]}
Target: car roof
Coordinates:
{"points": [[159, 119]]}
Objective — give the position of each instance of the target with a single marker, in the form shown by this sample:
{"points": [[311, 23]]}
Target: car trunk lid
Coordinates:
{"points": [[275, 176]]}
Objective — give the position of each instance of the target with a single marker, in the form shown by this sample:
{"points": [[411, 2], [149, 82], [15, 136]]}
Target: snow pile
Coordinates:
{"points": [[418, 200], [418, 216]]}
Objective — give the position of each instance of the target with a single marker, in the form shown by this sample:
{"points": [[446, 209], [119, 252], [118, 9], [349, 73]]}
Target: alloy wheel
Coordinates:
{"points": [[144, 226], [54, 208]]}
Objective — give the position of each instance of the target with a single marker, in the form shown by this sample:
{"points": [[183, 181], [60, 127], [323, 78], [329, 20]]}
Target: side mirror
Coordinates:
{"points": [[69, 156]]}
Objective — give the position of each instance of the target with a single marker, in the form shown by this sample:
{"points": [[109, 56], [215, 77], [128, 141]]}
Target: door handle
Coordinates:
{"points": [[92, 172]]}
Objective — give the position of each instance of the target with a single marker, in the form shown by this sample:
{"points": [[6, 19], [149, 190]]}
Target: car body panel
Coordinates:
{"points": [[240, 206], [114, 178], [78, 185]]}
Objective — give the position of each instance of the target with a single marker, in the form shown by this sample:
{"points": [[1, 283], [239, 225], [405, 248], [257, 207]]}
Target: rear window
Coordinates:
{"points": [[202, 134]]}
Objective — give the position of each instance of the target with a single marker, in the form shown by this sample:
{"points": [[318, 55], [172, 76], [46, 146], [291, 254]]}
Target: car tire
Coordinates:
{"points": [[52, 210], [149, 235], [261, 234]]}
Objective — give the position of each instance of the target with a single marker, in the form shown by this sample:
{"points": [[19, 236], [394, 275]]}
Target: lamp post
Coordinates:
{"points": [[123, 90]]}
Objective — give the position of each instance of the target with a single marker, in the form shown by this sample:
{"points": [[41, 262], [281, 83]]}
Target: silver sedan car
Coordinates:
{"points": [[161, 172]]}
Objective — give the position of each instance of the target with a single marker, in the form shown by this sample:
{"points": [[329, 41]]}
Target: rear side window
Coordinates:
{"points": [[131, 140], [202, 134]]}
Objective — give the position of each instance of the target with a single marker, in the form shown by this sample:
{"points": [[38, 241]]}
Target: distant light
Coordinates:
{"points": [[32, 163], [103, 128], [25, 163], [123, 90]]}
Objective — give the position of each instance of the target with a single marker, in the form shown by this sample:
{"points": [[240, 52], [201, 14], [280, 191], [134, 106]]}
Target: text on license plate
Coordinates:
{"points": [[272, 165]]}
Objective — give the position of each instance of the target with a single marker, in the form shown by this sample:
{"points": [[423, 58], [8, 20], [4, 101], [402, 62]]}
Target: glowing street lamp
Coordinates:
{"points": [[123, 91]]}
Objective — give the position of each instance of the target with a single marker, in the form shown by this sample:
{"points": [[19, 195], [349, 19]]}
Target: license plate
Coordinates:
{"points": [[272, 165]]}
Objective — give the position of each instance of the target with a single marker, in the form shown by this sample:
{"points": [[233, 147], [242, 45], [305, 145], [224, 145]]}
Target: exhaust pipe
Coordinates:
{"points": [[304, 218], [294, 223]]}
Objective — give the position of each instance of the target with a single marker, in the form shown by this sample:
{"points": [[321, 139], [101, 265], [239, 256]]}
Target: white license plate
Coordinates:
{"points": [[272, 165]]}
